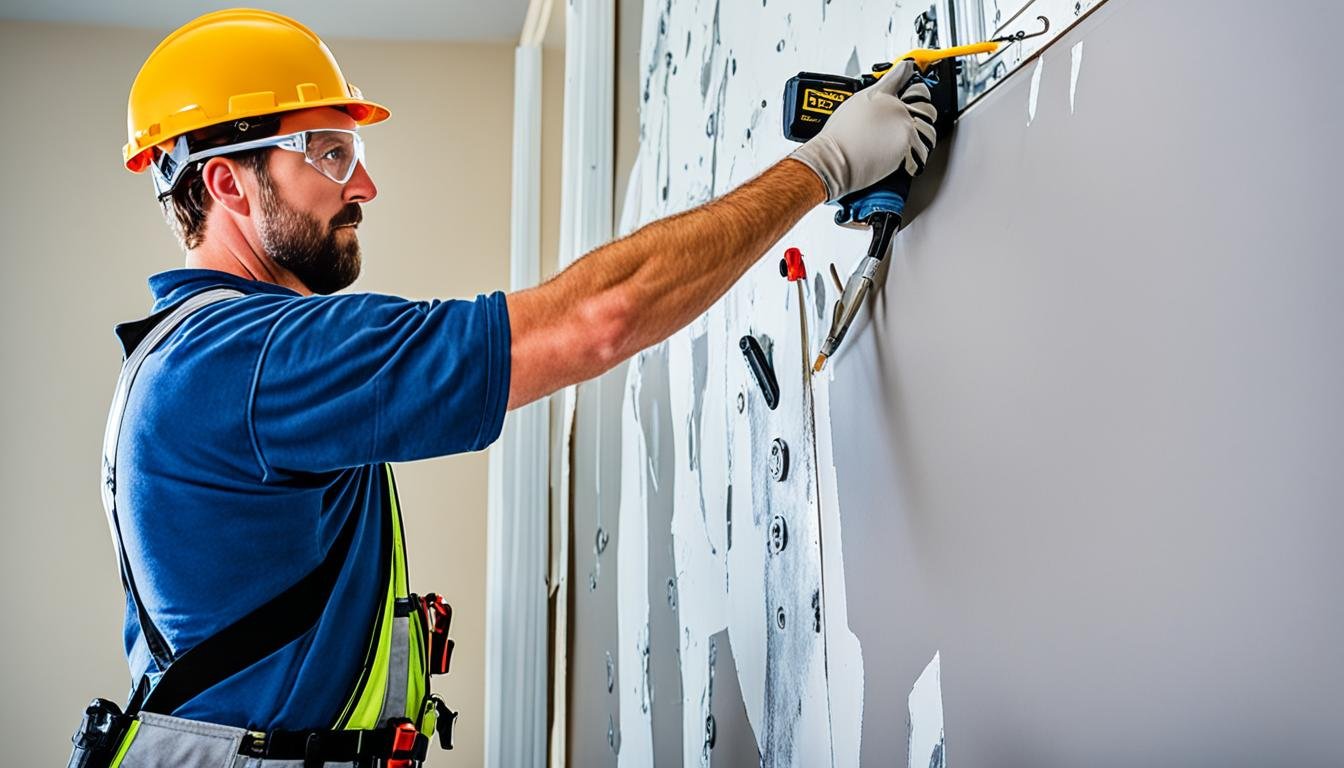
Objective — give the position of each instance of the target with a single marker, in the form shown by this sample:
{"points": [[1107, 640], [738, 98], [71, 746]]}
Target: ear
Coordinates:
{"points": [[223, 180]]}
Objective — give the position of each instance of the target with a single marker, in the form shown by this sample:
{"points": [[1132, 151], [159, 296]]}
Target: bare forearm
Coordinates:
{"points": [[637, 291], [674, 269]]}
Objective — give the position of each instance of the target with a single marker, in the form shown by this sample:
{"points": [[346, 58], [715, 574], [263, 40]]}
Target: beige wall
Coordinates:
{"points": [[79, 237]]}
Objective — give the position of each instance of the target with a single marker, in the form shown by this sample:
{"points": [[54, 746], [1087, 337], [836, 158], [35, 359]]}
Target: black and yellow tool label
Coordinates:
{"points": [[824, 100]]}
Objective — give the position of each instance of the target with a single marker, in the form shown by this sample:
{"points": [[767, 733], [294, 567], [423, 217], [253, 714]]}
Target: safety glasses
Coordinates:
{"points": [[332, 151]]}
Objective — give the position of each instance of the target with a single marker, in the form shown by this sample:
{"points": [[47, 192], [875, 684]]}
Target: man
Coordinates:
{"points": [[246, 462]]}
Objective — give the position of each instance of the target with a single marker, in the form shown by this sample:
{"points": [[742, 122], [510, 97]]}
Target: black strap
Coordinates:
{"points": [[331, 746], [150, 331], [251, 638], [275, 624]]}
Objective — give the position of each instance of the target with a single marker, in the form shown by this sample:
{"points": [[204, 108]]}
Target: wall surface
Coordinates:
{"points": [[79, 237], [1070, 494]]}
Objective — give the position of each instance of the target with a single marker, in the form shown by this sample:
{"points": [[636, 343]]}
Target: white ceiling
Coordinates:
{"points": [[482, 20]]}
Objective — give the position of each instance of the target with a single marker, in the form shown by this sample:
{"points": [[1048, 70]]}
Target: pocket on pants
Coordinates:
{"points": [[161, 741]]}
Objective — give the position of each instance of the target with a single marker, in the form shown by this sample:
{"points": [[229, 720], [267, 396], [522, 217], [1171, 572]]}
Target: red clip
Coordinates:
{"points": [[403, 746], [791, 266], [438, 617]]}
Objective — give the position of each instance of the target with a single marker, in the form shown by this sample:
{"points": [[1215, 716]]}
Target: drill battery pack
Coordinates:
{"points": [[810, 98]]}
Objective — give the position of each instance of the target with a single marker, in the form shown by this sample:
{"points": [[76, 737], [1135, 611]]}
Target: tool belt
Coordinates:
{"points": [[150, 740], [108, 737], [390, 713]]}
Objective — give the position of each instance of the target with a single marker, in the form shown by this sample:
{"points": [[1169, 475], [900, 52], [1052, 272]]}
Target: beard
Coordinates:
{"points": [[323, 256]]}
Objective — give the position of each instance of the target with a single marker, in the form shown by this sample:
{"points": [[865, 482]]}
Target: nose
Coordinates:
{"points": [[360, 188]]}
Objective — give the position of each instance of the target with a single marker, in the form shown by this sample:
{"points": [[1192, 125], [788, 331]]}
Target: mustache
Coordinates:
{"points": [[351, 214]]}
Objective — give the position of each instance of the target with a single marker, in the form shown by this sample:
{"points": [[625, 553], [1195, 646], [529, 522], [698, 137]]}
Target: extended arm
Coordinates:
{"points": [[637, 291]]}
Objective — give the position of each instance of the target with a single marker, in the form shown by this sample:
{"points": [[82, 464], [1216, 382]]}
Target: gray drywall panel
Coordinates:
{"points": [[1089, 444], [1081, 445], [593, 700]]}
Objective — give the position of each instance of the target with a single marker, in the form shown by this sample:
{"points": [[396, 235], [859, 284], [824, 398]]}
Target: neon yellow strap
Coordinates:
{"points": [[368, 702], [125, 744]]}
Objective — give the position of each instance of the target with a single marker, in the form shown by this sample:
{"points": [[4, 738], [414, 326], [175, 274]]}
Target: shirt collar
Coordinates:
{"points": [[170, 287]]}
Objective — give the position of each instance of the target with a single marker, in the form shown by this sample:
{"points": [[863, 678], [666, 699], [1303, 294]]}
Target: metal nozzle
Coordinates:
{"points": [[884, 225], [847, 307]]}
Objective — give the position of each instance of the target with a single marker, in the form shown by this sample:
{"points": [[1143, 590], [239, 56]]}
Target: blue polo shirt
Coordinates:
{"points": [[254, 432]]}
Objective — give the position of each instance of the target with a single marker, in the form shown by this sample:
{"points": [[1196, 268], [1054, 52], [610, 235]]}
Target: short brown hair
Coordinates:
{"points": [[186, 206]]}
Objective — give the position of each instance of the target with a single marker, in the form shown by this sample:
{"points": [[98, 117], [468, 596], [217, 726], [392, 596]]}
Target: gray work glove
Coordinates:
{"points": [[886, 126]]}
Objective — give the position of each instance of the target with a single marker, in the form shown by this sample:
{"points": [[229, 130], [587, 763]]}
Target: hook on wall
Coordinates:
{"points": [[1022, 35]]}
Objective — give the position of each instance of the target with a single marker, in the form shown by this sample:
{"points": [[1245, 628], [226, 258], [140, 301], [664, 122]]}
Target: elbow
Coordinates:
{"points": [[609, 324]]}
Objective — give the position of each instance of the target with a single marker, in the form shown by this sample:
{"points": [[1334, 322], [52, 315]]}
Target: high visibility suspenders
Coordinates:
{"points": [[389, 713]]}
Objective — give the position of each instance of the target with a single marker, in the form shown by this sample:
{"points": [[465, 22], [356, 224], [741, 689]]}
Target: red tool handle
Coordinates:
{"points": [[791, 266]]}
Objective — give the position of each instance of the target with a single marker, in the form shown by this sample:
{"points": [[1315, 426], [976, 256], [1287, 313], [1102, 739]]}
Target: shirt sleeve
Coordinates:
{"points": [[349, 380]]}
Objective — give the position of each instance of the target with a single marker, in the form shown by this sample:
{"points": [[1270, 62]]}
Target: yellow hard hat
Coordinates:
{"points": [[228, 65]]}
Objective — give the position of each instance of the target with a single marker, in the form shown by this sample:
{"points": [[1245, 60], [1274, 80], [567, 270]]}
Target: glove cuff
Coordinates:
{"points": [[825, 159]]}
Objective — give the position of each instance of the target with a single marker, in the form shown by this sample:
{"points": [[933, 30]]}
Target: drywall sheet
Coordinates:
{"points": [[1080, 449]]}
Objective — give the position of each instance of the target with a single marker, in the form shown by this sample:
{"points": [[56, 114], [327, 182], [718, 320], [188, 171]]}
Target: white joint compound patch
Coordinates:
{"points": [[711, 76], [1035, 90], [926, 719], [1075, 64]]}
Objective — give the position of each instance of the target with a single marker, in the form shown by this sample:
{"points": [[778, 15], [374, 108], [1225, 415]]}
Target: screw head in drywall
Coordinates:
{"points": [[741, 402], [711, 731], [600, 540], [779, 459], [779, 534], [779, 617]]}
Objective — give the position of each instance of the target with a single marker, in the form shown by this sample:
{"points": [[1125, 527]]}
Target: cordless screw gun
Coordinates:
{"points": [[809, 100]]}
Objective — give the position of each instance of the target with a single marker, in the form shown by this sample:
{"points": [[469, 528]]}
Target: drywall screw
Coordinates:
{"points": [[600, 541], [779, 617], [741, 402], [711, 731], [728, 515], [779, 534], [779, 459]]}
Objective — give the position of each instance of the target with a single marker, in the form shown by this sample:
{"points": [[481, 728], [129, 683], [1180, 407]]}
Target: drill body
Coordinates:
{"points": [[809, 100]]}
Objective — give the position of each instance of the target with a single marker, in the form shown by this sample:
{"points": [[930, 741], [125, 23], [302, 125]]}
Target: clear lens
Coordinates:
{"points": [[334, 153]]}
